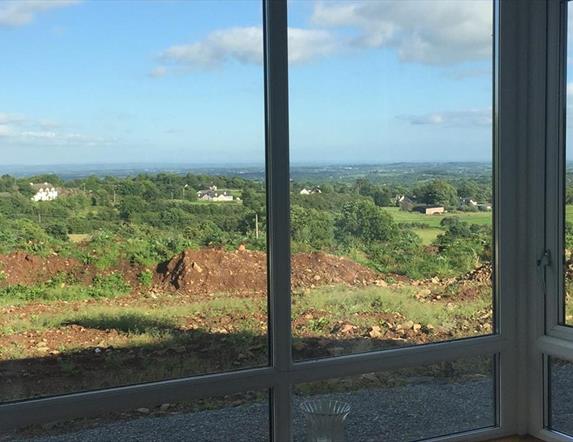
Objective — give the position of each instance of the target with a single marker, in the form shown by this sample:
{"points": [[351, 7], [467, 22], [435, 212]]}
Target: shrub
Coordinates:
{"points": [[145, 278]]}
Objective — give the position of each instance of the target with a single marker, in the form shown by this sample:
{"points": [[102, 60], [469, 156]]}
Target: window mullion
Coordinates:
{"points": [[278, 207]]}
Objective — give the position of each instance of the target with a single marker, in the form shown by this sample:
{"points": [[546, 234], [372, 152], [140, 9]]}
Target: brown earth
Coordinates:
{"points": [[211, 271], [197, 271], [23, 268]]}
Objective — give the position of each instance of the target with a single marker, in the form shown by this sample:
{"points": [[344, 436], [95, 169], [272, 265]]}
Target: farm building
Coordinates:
{"points": [[406, 204], [429, 210]]}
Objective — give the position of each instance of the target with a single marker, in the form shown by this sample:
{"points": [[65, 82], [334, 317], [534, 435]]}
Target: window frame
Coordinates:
{"points": [[282, 372]]}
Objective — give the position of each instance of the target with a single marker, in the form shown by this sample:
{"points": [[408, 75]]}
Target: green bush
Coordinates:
{"points": [[145, 278]]}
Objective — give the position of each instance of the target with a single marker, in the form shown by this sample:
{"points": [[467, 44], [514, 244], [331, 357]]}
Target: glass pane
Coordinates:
{"points": [[132, 195], [568, 234], [241, 417], [560, 396], [403, 405], [391, 147]]}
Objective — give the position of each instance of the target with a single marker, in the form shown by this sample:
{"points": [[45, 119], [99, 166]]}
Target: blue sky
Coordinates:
{"points": [[182, 81]]}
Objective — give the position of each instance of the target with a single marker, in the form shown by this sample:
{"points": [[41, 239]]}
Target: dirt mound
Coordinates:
{"points": [[482, 274], [310, 269], [23, 268], [211, 271]]}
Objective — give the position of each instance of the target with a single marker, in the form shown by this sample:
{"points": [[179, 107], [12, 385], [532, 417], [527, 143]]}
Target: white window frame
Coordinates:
{"points": [[506, 345]]}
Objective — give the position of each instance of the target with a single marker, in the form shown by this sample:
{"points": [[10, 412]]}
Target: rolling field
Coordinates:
{"points": [[433, 228]]}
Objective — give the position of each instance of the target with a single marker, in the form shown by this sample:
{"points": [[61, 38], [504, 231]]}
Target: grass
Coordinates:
{"points": [[403, 217], [65, 288], [78, 238], [428, 235], [432, 222], [344, 304]]}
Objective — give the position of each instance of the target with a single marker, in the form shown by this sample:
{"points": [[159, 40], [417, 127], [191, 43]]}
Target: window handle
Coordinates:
{"points": [[542, 263]]}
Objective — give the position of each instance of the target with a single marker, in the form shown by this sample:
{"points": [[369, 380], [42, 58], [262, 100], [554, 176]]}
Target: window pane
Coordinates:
{"points": [[391, 147], [406, 404], [132, 201], [560, 396], [568, 234], [241, 417]]}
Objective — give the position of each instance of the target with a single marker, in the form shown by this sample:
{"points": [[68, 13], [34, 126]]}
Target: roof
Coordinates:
{"points": [[39, 186]]}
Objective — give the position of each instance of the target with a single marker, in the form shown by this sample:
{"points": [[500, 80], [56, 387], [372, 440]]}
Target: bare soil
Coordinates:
{"points": [[212, 271]]}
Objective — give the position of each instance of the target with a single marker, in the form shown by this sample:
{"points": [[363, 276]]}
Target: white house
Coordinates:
{"points": [[211, 194], [306, 191], [44, 192]]}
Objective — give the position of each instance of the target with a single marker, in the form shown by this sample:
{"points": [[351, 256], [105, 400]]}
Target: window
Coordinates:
{"points": [[392, 197], [263, 247], [132, 251]]}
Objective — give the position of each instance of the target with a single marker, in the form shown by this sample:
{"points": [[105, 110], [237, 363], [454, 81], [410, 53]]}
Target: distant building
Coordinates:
{"points": [[429, 210], [211, 194], [406, 204], [469, 202], [312, 191], [484, 206], [44, 192]]}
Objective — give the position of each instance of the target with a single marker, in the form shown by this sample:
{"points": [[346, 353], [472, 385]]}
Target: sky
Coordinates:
{"points": [[92, 81]]}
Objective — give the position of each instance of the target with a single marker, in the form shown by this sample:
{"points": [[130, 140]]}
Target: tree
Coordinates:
{"points": [[311, 227], [364, 221], [438, 192]]}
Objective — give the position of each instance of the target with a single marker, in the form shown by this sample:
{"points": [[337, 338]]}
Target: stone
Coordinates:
{"points": [[164, 407], [408, 325], [375, 331], [347, 328], [143, 410]]}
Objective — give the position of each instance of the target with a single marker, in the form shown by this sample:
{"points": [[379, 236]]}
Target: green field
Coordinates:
{"points": [[433, 229]]}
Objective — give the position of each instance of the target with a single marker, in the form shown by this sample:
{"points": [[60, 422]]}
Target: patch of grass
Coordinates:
{"points": [[403, 217], [65, 288], [428, 235], [347, 304], [145, 278], [131, 323]]}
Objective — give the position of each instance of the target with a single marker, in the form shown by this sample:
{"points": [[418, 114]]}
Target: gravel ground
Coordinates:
{"points": [[562, 398], [411, 412]]}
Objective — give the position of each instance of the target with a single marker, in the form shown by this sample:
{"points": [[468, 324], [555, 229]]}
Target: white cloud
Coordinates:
{"points": [[22, 12], [437, 33], [464, 118], [245, 45], [19, 130]]}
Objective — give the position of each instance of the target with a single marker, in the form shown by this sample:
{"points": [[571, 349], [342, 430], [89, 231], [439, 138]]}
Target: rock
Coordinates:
{"points": [[423, 293], [196, 267], [316, 277], [375, 331], [408, 325], [242, 248], [417, 327], [164, 407], [347, 328], [143, 410]]}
